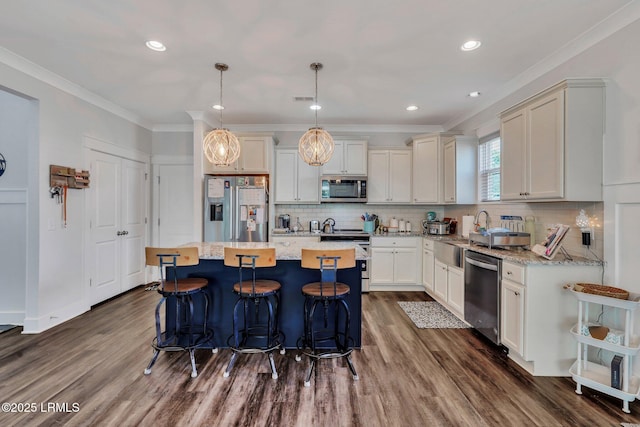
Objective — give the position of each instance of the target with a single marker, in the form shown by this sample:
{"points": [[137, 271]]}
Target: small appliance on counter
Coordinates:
{"points": [[284, 221], [314, 226], [436, 227]]}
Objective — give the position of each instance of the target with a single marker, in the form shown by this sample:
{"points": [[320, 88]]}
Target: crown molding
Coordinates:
{"points": [[602, 30], [34, 70]]}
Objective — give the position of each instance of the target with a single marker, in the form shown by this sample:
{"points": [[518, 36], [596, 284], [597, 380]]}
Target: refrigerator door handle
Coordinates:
{"points": [[232, 211], [237, 218]]}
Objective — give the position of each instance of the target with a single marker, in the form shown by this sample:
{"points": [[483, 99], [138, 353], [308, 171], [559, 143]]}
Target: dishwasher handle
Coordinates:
{"points": [[481, 264]]}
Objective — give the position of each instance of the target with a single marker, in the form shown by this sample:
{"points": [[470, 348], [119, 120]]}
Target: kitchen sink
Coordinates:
{"points": [[500, 238]]}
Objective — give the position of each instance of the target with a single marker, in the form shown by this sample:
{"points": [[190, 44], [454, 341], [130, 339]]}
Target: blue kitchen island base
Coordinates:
{"points": [[292, 277]]}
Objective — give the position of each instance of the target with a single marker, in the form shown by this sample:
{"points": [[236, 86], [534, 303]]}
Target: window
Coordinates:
{"points": [[489, 168]]}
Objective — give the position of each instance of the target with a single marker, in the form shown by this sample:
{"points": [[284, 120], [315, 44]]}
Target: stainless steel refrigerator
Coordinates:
{"points": [[236, 208]]}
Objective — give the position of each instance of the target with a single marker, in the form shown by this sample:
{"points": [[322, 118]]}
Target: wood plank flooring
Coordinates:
{"points": [[408, 377]]}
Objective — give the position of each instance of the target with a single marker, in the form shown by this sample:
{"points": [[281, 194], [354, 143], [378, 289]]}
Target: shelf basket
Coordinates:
{"points": [[602, 290]]}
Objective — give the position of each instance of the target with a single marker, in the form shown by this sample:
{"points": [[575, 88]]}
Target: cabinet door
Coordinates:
{"points": [[355, 157], [405, 266], [286, 180], [335, 165], [426, 170], [545, 150], [253, 155], [455, 290], [378, 179], [308, 182], [512, 316], [440, 281], [512, 156], [449, 171], [381, 265], [428, 270], [400, 176]]}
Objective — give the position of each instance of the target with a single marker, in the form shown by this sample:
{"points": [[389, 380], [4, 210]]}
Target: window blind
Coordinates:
{"points": [[489, 168]]}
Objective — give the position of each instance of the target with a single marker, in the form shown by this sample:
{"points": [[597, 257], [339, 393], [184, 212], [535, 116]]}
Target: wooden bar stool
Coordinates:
{"points": [[183, 335], [256, 314], [326, 338]]}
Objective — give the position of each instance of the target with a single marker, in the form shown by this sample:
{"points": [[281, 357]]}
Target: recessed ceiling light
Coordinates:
{"points": [[412, 108], [156, 45], [470, 45], [218, 107], [316, 107], [474, 94]]}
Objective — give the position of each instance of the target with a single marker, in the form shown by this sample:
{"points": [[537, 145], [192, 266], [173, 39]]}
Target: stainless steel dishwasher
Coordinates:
{"points": [[482, 293]]}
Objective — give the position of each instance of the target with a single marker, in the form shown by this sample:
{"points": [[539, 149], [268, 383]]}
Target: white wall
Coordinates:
{"points": [[17, 115], [55, 288]]}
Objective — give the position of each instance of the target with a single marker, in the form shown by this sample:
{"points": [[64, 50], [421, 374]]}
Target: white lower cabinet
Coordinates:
{"points": [[455, 290], [449, 287], [395, 264], [512, 319], [536, 314], [428, 265]]}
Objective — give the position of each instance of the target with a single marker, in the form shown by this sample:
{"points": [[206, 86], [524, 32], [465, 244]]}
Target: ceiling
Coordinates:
{"points": [[378, 56]]}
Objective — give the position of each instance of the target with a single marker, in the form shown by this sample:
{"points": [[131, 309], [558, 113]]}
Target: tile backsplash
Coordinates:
{"points": [[347, 215]]}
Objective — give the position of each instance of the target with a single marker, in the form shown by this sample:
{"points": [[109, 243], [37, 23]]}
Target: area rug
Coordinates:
{"points": [[430, 314]]}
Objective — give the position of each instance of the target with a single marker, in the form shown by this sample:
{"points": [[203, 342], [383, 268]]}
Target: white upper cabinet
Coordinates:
{"points": [[426, 169], [444, 168], [390, 177], [295, 181], [459, 165], [254, 157], [552, 144], [349, 158]]}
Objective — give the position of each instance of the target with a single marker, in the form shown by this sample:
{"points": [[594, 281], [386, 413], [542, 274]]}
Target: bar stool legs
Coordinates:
{"points": [[341, 340], [256, 313], [322, 338], [252, 336]]}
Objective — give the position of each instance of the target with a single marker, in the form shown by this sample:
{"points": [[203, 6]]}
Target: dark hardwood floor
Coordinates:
{"points": [[408, 377]]}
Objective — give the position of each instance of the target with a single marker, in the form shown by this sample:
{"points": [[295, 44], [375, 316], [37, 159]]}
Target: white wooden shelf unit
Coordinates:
{"points": [[594, 375]]}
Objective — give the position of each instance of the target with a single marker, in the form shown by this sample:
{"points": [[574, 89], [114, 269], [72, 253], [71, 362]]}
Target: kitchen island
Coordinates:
{"points": [[288, 271]]}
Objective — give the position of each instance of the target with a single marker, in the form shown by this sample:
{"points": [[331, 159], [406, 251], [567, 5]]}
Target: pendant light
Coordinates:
{"points": [[220, 146], [316, 145]]}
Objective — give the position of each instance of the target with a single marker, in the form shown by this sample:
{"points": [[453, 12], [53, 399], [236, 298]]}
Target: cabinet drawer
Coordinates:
{"points": [[395, 242], [513, 272], [427, 244]]}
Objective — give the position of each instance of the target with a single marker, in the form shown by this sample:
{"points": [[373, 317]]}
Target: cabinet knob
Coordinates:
{"points": [[509, 273], [517, 293], [119, 233]]}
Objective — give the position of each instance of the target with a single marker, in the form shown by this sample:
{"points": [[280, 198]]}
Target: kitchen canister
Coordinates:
{"points": [[368, 226], [402, 226]]}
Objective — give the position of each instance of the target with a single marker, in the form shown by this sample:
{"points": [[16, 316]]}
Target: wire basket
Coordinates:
{"points": [[602, 290]]}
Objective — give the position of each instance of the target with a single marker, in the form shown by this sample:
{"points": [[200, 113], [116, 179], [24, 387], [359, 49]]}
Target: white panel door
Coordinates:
{"points": [[405, 268], [133, 223], [104, 241], [175, 189], [117, 200], [400, 176]]}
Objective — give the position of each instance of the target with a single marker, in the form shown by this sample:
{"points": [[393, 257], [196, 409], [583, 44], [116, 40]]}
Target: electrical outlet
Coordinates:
{"points": [[588, 237]]}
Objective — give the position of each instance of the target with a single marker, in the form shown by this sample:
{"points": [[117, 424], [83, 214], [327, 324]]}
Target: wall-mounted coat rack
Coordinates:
{"points": [[62, 176]]}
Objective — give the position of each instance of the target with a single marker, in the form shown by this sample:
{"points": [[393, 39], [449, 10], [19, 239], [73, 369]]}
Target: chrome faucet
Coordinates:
{"points": [[487, 220]]}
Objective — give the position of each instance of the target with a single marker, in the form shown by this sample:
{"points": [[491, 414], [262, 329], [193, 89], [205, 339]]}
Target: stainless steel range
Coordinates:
{"points": [[356, 236]]}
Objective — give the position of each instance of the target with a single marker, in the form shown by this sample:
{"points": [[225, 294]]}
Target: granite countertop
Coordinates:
{"points": [[321, 234], [284, 250], [516, 255]]}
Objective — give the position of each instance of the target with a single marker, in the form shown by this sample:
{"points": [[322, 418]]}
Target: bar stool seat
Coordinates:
{"points": [[256, 313], [184, 334], [326, 338]]}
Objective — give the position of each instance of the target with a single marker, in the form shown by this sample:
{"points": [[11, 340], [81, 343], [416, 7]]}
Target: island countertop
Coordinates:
{"points": [[284, 250]]}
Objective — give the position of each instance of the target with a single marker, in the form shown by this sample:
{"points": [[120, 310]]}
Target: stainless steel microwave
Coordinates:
{"points": [[343, 189]]}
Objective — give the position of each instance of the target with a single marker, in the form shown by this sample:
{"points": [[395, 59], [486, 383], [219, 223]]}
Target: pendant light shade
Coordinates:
{"points": [[221, 147], [316, 145]]}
